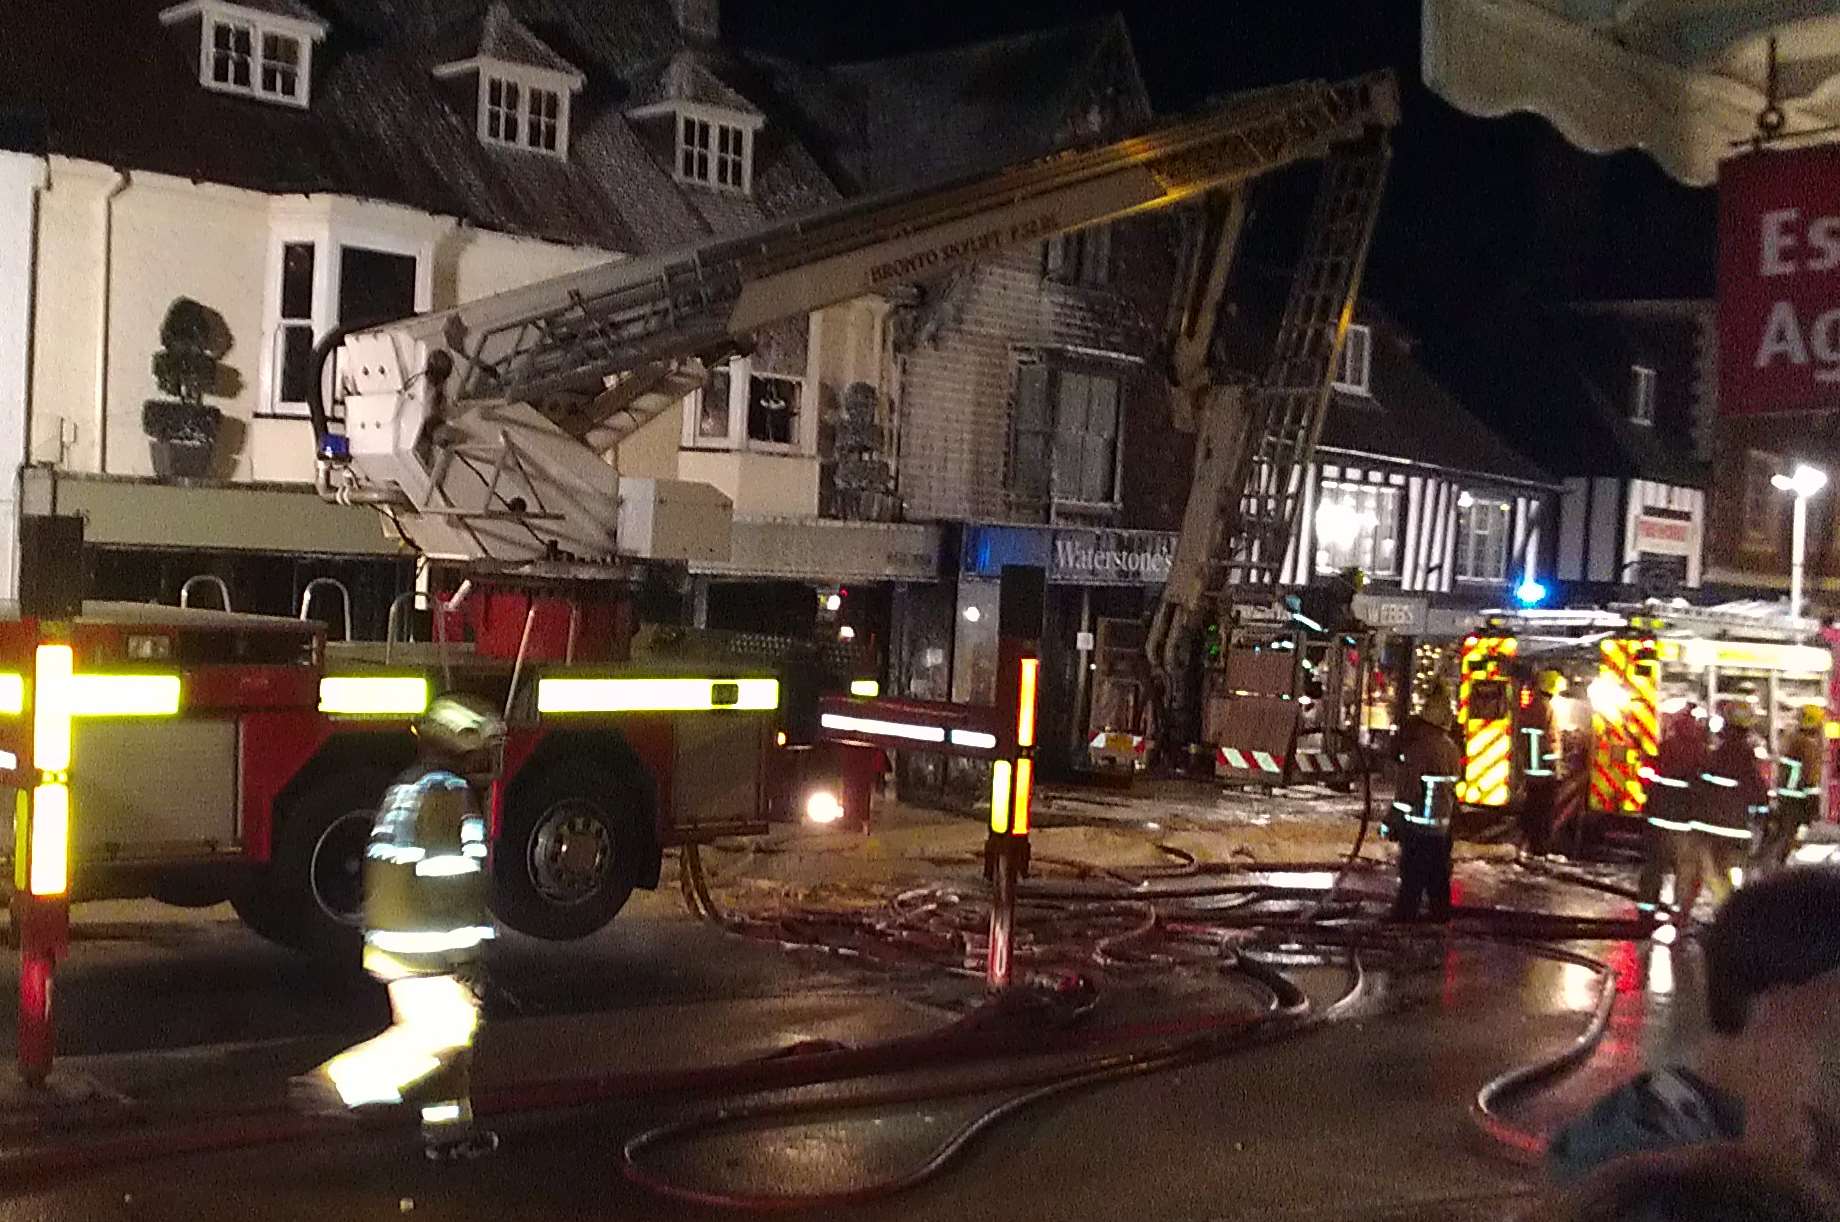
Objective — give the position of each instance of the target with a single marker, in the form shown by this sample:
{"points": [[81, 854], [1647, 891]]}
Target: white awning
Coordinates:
{"points": [[1682, 79]]}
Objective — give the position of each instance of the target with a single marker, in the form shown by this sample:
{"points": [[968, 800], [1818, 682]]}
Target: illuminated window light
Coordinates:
{"points": [[974, 738], [51, 708], [373, 696], [655, 695], [867, 689], [50, 873], [1025, 713], [124, 695], [1000, 780], [882, 729]]}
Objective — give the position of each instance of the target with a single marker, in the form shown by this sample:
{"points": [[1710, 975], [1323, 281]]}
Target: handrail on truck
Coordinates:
{"points": [[331, 583], [208, 579]]}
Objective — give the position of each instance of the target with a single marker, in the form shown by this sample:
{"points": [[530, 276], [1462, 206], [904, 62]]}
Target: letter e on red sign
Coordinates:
{"points": [[1779, 281]]}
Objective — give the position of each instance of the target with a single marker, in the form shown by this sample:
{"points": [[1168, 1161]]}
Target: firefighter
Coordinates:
{"points": [[425, 922], [1424, 800], [1735, 798], [1536, 747], [1674, 787], [1798, 794]]}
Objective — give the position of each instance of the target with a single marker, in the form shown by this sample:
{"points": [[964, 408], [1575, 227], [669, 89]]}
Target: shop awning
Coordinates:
{"points": [[1681, 79]]}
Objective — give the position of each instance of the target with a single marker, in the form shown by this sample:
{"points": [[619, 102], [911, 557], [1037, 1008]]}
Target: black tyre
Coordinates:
{"points": [[571, 848], [312, 895]]}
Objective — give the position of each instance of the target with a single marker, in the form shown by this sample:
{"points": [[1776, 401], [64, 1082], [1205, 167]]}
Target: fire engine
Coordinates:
{"points": [[199, 756], [1625, 665]]}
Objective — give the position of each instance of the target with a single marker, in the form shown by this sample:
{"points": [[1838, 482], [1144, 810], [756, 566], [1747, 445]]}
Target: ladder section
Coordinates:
{"points": [[555, 345], [1254, 529]]}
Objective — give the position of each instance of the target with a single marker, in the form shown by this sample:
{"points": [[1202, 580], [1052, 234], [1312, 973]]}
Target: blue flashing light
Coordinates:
{"points": [[335, 447], [1531, 593]]}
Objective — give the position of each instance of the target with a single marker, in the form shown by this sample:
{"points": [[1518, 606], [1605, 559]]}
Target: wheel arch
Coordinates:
{"points": [[394, 749], [608, 747]]}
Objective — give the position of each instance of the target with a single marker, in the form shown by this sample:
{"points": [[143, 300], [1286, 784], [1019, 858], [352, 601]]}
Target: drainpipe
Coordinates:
{"points": [[104, 312]]}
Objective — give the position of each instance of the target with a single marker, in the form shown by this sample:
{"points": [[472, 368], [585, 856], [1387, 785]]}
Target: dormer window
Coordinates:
{"points": [[524, 86], [522, 115], [1354, 375], [713, 153], [261, 50], [1641, 394]]}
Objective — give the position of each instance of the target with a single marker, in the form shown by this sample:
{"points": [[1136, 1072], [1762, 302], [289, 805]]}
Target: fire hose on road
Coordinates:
{"points": [[1184, 915]]}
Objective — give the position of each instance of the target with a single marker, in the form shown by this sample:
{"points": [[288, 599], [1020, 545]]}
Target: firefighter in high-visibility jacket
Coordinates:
{"points": [[1536, 754], [1674, 788], [425, 923], [1424, 802], [1734, 800], [1801, 773]]}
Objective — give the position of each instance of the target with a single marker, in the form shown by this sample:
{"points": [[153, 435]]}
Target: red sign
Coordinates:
{"points": [[1779, 282]]}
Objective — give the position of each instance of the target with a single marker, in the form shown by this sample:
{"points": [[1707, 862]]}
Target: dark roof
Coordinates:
{"points": [[1410, 417], [504, 38], [1559, 381], [124, 91], [1009, 99], [279, 8], [691, 76]]}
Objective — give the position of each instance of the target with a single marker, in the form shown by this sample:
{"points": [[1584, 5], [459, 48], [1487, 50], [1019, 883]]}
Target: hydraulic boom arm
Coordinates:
{"points": [[483, 430]]}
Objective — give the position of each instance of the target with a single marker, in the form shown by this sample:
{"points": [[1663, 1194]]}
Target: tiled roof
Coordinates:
{"points": [[125, 92], [1008, 99], [504, 38], [1410, 417], [279, 8]]}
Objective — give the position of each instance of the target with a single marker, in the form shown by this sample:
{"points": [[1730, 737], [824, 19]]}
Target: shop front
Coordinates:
{"points": [[1102, 585]]}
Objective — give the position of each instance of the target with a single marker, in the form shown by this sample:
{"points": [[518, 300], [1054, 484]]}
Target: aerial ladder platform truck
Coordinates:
{"points": [[486, 438]]}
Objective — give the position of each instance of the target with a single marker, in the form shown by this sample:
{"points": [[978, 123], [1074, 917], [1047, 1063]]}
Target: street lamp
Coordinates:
{"points": [[1805, 481]]}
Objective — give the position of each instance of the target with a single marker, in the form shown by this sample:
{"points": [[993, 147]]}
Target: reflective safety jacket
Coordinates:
{"points": [[1536, 740], [1800, 767], [1425, 791], [425, 882], [1735, 792], [1674, 779]]}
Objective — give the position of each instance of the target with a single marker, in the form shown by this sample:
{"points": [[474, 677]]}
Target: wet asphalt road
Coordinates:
{"points": [[1366, 1118]]}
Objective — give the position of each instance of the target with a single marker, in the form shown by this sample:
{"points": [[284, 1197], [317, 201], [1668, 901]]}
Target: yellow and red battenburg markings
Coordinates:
{"points": [[1487, 743], [1628, 738]]}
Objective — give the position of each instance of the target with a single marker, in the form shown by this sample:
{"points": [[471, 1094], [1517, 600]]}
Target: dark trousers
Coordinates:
{"points": [[1780, 827], [1424, 875], [1537, 803]]}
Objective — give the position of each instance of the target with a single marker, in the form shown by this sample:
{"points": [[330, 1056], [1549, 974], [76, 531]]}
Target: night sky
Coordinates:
{"points": [[1481, 216]]}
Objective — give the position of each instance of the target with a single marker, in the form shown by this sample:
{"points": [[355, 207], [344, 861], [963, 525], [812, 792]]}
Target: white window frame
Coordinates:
{"points": [[329, 225], [529, 82], [529, 87], [1501, 514], [1355, 366], [718, 120], [261, 26], [740, 372], [1366, 557], [1642, 395]]}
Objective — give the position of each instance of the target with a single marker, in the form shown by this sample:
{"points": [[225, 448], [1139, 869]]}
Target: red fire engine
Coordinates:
{"points": [[199, 756]]}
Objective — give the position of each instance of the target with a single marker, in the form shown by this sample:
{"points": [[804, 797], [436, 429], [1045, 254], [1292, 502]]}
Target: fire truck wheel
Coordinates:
{"points": [[568, 856], [311, 897]]}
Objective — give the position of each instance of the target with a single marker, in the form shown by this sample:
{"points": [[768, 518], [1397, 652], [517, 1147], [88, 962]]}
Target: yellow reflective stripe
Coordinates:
{"points": [[124, 695], [429, 942], [867, 689], [1025, 782], [1001, 778], [1025, 711], [51, 708], [373, 695], [50, 869], [655, 695], [12, 695]]}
